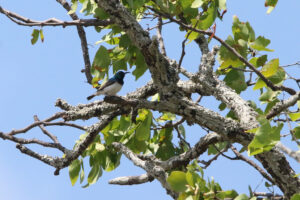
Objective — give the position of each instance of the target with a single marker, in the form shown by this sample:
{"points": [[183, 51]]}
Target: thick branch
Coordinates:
{"points": [[293, 154], [147, 165], [281, 106], [132, 180]]}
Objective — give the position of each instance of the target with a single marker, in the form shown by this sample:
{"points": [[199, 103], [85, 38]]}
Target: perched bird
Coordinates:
{"points": [[112, 86]]}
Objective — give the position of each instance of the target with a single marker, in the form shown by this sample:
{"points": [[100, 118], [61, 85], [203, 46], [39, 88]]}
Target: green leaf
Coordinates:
{"points": [[35, 36], [177, 181], [124, 41], [294, 116], [296, 196], [278, 77], [236, 80], [270, 68], [167, 116], [112, 161], [241, 197], [73, 7], [222, 5], [227, 194], [224, 53], [141, 66], [42, 35], [259, 84], [166, 150], [74, 170], [208, 18], [143, 130], [192, 178], [100, 13], [269, 95], [101, 59], [95, 174], [239, 29], [271, 4], [197, 3], [296, 132], [181, 130], [251, 37], [82, 172], [258, 61], [260, 44], [266, 137]]}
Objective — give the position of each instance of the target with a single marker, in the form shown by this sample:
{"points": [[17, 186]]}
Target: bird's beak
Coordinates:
{"points": [[126, 72]]}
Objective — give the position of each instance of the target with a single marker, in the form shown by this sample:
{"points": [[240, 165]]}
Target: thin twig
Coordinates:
{"points": [[160, 38], [45, 123], [253, 164], [32, 141], [51, 136]]}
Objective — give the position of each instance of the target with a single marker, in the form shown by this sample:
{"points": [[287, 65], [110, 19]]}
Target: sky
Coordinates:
{"points": [[32, 77]]}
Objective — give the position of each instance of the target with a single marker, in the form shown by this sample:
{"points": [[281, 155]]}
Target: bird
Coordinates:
{"points": [[112, 86]]}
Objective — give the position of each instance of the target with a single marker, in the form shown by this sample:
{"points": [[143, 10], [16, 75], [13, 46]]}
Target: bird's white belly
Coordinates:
{"points": [[112, 89]]}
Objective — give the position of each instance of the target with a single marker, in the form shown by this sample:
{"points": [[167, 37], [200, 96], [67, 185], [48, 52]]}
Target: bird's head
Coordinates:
{"points": [[120, 75]]}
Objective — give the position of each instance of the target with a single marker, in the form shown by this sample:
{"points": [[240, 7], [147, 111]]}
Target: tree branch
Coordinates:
{"points": [[281, 106], [253, 164], [132, 180], [84, 47], [23, 21], [293, 154]]}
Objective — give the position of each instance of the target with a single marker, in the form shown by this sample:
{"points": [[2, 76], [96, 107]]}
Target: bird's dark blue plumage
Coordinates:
{"points": [[112, 86]]}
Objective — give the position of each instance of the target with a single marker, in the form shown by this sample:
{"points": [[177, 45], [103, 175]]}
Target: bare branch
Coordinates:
{"points": [[44, 158], [23, 21], [160, 38], [253, 164], [84, 45], [281, 106], [51, 136], [288, 151], [270, 196], [32, 141], [132, 180], [152, 169], [45, 123]]}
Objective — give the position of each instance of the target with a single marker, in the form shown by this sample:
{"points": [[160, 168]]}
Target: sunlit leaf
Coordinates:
{"points": [[74, 170], [296, 197], [73, 7], [42, 35], [265, 137], [35, 36], [197, 3], [270, 68], [294, 116], [143, 130], [260, 44], [241, 197], [177, 181], [95, 174]]}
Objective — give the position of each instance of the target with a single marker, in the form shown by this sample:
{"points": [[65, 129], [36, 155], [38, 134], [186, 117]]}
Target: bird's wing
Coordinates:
{"points": [[106, 84]]}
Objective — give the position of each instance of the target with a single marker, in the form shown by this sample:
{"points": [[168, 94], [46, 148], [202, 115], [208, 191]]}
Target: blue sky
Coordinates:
{"points": [[33, 77]]}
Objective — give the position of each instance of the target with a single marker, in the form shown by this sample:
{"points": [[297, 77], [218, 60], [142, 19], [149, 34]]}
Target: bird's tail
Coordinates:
{"points": [[90, 97]]}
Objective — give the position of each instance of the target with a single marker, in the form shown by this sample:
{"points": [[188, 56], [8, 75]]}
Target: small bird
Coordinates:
{"points": [[112, 86]]}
